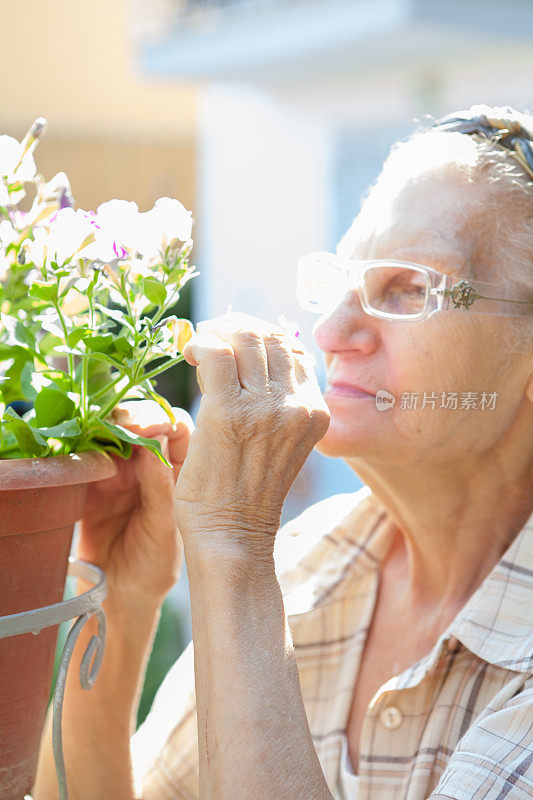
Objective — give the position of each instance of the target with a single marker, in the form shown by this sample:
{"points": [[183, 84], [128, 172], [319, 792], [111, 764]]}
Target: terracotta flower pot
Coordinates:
{"points": [[40, 500]]}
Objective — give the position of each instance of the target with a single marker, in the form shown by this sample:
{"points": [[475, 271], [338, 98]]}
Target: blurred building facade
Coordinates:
{"points": [[115, 131], [300, 102]]}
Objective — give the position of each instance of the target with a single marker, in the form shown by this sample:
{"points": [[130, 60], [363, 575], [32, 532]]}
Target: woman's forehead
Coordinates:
{"points": [[437, 223]]}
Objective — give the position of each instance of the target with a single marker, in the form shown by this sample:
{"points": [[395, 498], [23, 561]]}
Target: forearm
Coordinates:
{"points": [[253, 734], [98, 723]]}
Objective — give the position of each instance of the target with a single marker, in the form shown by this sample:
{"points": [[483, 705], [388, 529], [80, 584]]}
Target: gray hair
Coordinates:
{"points": [[508, 231]]}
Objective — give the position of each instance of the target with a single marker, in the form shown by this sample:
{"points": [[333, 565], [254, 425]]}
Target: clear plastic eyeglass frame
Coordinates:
{"points": [[323, 279]]}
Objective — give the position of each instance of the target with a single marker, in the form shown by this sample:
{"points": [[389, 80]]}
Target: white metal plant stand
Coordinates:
{"points": [[83, 607]]}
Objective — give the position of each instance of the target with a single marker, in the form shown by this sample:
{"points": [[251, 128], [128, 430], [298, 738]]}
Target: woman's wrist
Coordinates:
{"points": [[123, 606], [238, 554]]}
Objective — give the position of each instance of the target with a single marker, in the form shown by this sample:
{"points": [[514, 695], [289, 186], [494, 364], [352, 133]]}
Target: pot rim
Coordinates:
{"points": [[70, 470]]}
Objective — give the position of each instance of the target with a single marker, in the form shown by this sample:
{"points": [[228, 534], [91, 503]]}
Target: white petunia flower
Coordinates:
{"points": [[5, 264], [5, 200], [50, 197], [145, 233], [171, 219], [11, 166], [8, 234], [119, 219], [69, 233]]}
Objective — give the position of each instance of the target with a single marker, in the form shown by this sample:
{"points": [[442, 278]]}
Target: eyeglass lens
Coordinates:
{"points": [[396, 290]]}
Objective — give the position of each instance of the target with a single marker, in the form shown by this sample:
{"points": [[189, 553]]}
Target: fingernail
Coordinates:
{"points": [[163, 441]]}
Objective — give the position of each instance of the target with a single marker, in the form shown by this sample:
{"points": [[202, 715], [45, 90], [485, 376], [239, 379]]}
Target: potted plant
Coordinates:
{"points": [[85, 302]]}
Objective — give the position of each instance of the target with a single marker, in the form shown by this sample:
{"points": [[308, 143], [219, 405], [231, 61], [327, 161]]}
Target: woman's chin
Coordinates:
{"points": [[338, 442]]}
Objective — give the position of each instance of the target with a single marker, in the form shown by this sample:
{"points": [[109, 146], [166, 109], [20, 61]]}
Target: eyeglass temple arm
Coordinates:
{"points": [[464, 294]]}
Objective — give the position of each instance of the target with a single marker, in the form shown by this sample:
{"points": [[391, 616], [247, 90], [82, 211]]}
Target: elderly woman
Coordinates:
{"points": [[380, 645]]}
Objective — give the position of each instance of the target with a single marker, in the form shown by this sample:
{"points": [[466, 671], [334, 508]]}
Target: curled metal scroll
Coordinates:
{"points": [[83, 607], [88, 674]]}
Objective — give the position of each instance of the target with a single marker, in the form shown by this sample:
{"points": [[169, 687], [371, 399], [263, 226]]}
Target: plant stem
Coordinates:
{"points": [[165, 307], [110, 405], [65, 331], [131, 318], [141, 361], [84, 388], [162, 368], [85, 368], [107, 387]]}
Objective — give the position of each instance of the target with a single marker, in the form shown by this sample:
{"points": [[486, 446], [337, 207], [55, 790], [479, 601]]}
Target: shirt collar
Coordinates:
{"points": [[494, 623]]}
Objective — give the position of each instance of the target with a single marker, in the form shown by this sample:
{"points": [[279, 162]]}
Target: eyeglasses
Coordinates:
{"points": [[397, 289]]}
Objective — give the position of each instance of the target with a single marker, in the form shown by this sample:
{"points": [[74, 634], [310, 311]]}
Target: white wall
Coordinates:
{"points": [[263, 180], [265, 200]]}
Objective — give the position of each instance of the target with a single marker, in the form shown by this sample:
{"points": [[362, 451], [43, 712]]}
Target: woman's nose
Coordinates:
{"points": [[346, 327]]}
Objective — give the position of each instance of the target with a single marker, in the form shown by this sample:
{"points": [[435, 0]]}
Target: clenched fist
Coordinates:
{"points": [[260, 415]]}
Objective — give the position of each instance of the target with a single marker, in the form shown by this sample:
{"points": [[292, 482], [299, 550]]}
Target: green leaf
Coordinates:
{"points": [[100, 376], [24, 335], [52, 407], [52, 377], [19, 333], [175, 275], [14, 351], [48, 343], [44, 291], [65, 430], [122, 346], [134, 439], [155, 291], [91, 444], [116, 314], [9, 447], [29, 440], [72, 283], [51, 325], [104, 440], [19, 386], [26, 374], [99, 356], [75, 336], [99, 344]]}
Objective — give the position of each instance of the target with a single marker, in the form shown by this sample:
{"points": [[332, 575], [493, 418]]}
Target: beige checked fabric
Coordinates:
{"points": [[456, 724]]}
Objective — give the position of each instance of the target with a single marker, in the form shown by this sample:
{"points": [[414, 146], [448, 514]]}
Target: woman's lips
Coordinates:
{"points": [[346, 390]]}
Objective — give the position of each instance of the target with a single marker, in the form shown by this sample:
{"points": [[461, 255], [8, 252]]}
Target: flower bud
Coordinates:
{"points": [[66, 200], [183, 332], [30, 140], [38, 128]]}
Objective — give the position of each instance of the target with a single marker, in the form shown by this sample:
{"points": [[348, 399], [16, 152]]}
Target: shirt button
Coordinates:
{"points": [[391, 717], [451, 644]]}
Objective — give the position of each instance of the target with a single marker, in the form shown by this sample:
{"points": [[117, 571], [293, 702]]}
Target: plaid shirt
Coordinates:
{"points": [[456, 724]]}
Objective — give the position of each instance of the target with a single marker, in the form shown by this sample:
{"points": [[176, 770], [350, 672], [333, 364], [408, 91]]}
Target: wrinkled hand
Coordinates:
{"points": [[261, 414], [129, 528]]}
